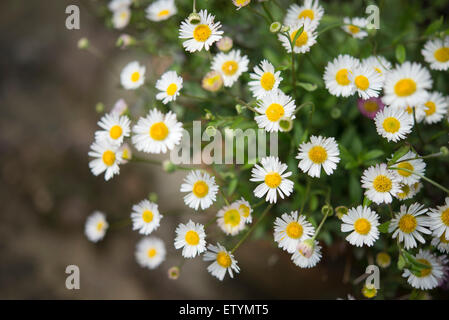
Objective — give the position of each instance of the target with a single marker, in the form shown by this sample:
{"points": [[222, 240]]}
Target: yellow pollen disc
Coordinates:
{"points": [[108, 158], [223, 259], [229, 68], [317, 154], [212, 80], [192, 238], [409, 110], [307, 13], [362, 226], [443, 238], [302, 39], [342, 77], [115, 132], [232, 217], [151, 253], [445, 217], [135, 76], [361, 82], [371, 106], [273, 180], [427, 271], [431, 108], [267, 81], [100, 226], [353, 29], [202, 32], [407, 223], [405, 191], [147, 216], [405, 165], [200, 189], [123, 15], [159, 131], [382, 183], [294, 230], [369, 292], [171, 89], [442, 54], [405, 87], [391, 125], [245, 210], [125, 154], [163, 13], [274, 112]]}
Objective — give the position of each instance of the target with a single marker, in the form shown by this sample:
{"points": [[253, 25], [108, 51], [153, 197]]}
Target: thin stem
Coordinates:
{"points": [[224, 197], [194, 6], [264, 213], [320, 226], [432, 155], [423, 177], [305, 196], [210, 222], [259, 14], [329, 28], [264, 6], [151, 161], [186, 95], [417, 127], [246, 105], [120, 224], [261, 202]]}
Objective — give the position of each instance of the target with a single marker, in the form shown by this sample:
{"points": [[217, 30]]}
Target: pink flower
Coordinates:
{"points": [[370, 107]]}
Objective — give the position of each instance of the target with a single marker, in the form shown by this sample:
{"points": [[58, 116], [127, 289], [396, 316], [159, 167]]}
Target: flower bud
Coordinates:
{"points": [[275, 27], [286, 124], [173, 273], [126, 152], [341, 211], [120, 107], [335, 113], [239, 108], [285, 29], [369, 291], [83, 43], [194, 18], [168, 166], [99, 107], [327, 209], [444, 150], [211, 131], [383, 259], [212, 81], [224, 44], [152, 197], [125, 41], [240, 3], [306, 247]]}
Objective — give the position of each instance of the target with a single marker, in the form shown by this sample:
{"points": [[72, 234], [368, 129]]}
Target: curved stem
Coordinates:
{"points": [[423, 177]]}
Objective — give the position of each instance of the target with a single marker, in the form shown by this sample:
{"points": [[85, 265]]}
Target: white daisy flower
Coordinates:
{"points": [[230, 65], [230, 220], [406, 85], [222, 261], [380, 183], [378, 64], [115, 5], [427, 278], [132, 75], [191, 238], [146, 217], [240, 3], [436, 53], [415, 165], [441, 243], [169, 84], [355, 27], [245, 210], [409, 224], [201, 188], [393, 124], [291, 229], [367, 81], [305, 40], [115, 128], [337, 75], [406, 192], [121, 17], [265, 80], [302, 261], [419, 112], [319, 153], [120, 107], [311, 10], [362, 222], [435, 108], [439, 219], [157, 133], [96, 226], [107, 159], [161, 10], [273, 179], [201, 35], [150, 252], [272, 108]]}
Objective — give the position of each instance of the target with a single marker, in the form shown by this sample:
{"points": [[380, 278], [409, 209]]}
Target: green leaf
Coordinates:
{"points": [[373, 154], [307, 86], [401, 262], [399, 153], [366, 202], [232, 186], [298, 33], [383, 228], [434, 26], [400, 53]]}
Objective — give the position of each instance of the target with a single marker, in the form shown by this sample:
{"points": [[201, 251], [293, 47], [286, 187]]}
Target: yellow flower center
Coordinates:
{"points": [[171, 89], [405, 191], [223, 259], [135, 76], [318, 154], [294, 230], [391, 125], [383, 259], [445, 217], [307, 13], [163, 13], [151, 252], [405, 87], [371, 106], [159, 131], [232, 217], [267, 81], [302, 39], [405, 165], [409, 110], [431, 108], [362, 226], [427, 271], [229, 68], [407, 223], [192, 238], [100, 226], [353, 29], [361, 82], [274, 112], [442, 54], [125, 154], [369, 292], [245, 210], [108, 158], [443, 238], [273, 180], [200, 189], [202, 32], [147, 216], [115, 132], [342, 77], [382, 183]]}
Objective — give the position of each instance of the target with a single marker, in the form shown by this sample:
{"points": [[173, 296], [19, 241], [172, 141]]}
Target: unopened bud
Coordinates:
{"points": [[369, 291], [125, 41], [173, 273], [341, 211], [335, 113], [383, 259], [224, 44], [444, 151], [99, 107], [211, 131], [306, 247], [83, 43], [152, 197], [285, 29], [194, 18], [286, 124], [327, 210], [275, 27], [238, 108], [168, 166]]}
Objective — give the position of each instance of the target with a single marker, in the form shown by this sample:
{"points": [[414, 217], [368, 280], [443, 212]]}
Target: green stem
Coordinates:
{"points": [[417, 127], [258, 14], [264, 6], [423, 177], [151, 161], [432, 155], [305, 196], [320, 226], [210, 222]]}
